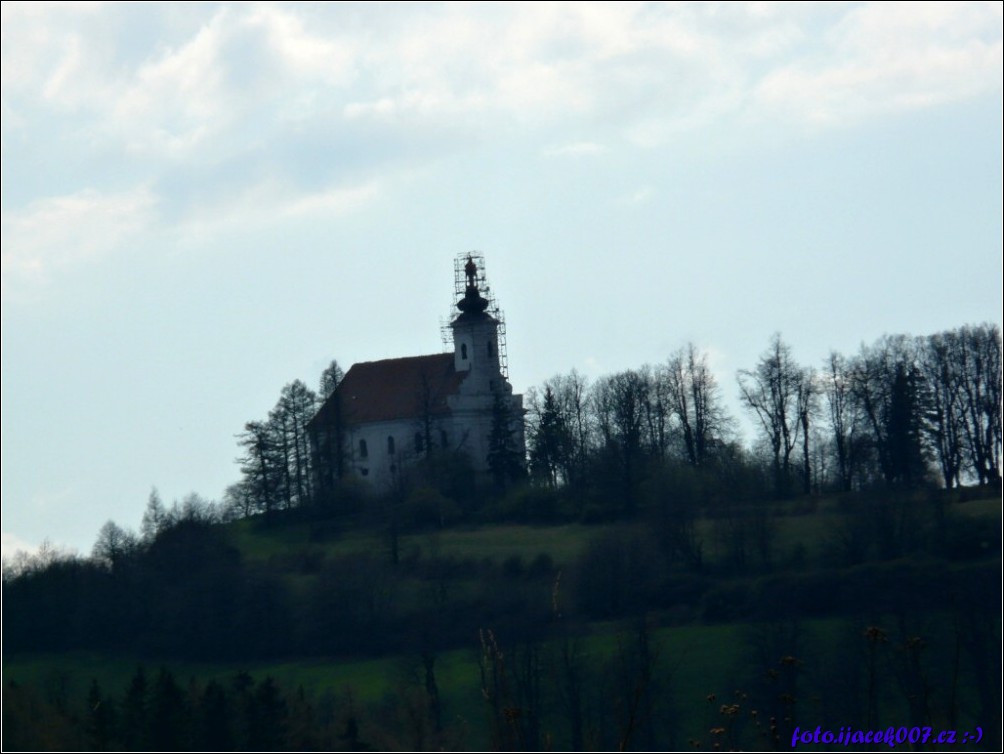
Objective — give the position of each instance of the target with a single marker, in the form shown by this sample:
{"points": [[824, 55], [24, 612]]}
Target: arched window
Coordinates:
{"points": [[390, 446], [463, 351], [363, 450], [419, 442], [491, 351]]}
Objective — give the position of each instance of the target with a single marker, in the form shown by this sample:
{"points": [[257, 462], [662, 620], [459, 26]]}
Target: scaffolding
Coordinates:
{"points": [[459, 289]]}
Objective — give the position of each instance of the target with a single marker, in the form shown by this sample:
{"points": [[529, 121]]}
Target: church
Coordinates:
{"points": [[384, 415]]}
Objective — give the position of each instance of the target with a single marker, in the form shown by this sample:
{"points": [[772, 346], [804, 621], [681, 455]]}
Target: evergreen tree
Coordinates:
{"points": [[550, 442], [504, 459], [213, 721], [100, 719], [266, 726], [330, 378], [168, 715], [905, 427], [135, 714], [155, 517], [260, 464]]}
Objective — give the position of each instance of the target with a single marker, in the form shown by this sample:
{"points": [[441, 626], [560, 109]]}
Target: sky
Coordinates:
{"points": [[204, 202]]}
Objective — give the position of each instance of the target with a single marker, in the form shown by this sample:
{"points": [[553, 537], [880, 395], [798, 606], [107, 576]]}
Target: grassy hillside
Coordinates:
{"points": [[810, 530], [602, 637]]}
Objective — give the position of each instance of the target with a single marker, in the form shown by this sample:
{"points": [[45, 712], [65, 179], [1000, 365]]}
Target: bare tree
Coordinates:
{"points": [[845, 419], [695, 401], [806, 399], [774, 393], [113, 544], [619, 403], [892, 395], [239, 501], [940, 362], [980, 364]]}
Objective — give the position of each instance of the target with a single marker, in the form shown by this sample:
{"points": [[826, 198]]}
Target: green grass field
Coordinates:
{"points": [[691, 660], [694, 660], [562, 543]]}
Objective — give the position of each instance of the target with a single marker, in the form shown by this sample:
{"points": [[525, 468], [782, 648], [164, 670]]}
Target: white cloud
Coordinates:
{"points": [[35, 40], [884, 58], [630, 62], [575, 149], [231, 84], [639, 196], [270, 202], [593, 368], [381, 108], [332, 201], [18, 553], [331, 58], [174, 102], [12, 544], [55, 232]]}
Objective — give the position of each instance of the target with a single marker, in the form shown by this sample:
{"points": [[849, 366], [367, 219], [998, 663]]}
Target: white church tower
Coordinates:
{"points": [[475, 337], [479, 352]]}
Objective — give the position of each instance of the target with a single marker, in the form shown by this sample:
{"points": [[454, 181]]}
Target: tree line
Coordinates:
{"points": [[899, 413], [157, 712]]}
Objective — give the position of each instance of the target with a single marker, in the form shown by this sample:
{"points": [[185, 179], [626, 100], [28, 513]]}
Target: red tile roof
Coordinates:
{"points": [[393, 389]]}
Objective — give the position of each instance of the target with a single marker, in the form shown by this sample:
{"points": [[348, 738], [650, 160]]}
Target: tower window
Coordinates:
{"points": [[444, 440], [491, 351], [363, 450], [463, 351], [390, 446], [419, 442]]}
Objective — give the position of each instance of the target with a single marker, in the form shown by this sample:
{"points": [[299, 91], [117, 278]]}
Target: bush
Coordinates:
{"points": [[618, 575], [428, 507], [526, 504], [728, 601], [969, 538]]}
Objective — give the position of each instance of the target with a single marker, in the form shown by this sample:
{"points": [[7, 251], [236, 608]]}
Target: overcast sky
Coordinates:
{"points": [[204, 202]]}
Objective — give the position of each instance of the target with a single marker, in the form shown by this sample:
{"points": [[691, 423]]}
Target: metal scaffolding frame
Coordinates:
{"points": [[459, 289]]}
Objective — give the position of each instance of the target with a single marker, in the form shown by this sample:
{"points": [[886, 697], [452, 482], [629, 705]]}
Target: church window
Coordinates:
{"points": [[363, 450], [419, 442], [490, 350], [463, 351], [390, 446]]}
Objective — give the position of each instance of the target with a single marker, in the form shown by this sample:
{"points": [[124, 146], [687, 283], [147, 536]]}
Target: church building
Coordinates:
{"points": [[384, 415]]}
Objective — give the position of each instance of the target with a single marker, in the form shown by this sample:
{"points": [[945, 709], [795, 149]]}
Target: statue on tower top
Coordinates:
{"points": [[472, 302], [471, 269]]}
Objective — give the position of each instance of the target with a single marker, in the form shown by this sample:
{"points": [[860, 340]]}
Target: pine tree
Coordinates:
{"points": [[551, 442], [504, 459]]}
